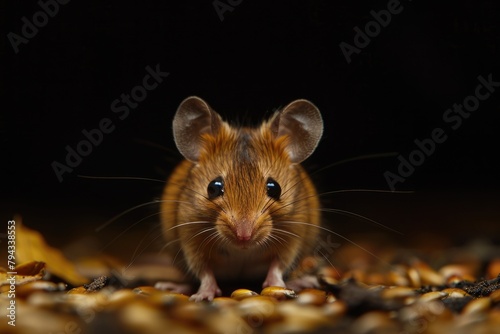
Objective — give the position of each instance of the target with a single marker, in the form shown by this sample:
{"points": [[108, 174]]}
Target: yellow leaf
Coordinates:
{"points": [[32, 271], [31, 246]]}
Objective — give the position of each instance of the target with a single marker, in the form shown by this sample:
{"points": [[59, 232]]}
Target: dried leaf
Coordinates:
{"points": [[28, 272], [31, 246]]}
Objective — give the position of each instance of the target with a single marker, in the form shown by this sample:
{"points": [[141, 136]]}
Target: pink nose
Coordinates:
{"points": [[243, 236]]}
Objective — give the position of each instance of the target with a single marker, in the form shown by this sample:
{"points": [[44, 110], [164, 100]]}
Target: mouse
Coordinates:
{"points": [[240, 206]]}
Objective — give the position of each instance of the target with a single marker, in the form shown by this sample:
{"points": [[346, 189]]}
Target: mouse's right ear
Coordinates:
{"points": [[193, 118]]}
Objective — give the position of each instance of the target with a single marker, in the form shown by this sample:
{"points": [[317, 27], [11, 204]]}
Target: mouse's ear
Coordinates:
{"points": [[193, 118], [301, 121]]}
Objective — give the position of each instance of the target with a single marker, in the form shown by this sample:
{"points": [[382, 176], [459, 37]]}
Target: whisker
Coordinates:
{"points": [[168, 244], [286, 232], [218, 238], [361, 157], [135, 256], [107, 223], [186, 224], [207, 238], [349, 213], [339, 235], [329, 262], [128, 229], [278, 239]]}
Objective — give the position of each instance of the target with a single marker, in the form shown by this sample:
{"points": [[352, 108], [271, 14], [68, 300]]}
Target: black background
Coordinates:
{"points": [[261, 56]]}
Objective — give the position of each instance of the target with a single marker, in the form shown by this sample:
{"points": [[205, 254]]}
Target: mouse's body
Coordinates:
{"points": [[241, 206]]}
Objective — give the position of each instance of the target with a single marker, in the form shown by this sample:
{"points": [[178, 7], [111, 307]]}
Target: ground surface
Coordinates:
{"points": [[399, 291]]}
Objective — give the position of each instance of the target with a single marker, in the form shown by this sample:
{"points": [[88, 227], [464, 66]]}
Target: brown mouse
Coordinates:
{"points": [[240, 206]]}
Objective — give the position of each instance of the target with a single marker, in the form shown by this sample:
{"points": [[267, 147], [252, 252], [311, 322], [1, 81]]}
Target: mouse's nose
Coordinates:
{"points": [[243, 236], [243, 230]]}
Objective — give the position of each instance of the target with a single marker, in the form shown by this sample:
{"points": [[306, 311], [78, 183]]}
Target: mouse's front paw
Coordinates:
{"points": [[206, 294]]}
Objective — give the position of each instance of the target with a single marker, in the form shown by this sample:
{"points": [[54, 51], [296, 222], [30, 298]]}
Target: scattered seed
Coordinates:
{"points": [[146, 290], [397, 292], [480, 305], [434, 295], [242, 294], [455, 293], [493, 268], [414, 277], [335, 309], [427, 274], [312, 297], [222, 302], [278, 292], [495, 296]]}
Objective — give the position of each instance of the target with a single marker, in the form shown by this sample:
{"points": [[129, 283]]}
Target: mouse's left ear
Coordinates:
{"points": [[301, 121]]}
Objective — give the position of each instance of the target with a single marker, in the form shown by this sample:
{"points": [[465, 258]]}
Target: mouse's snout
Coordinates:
{"points": [[243, 230]]}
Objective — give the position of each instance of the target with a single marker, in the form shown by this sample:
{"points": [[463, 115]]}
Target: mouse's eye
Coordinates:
{"points": [[215, 188], [273, 189]]}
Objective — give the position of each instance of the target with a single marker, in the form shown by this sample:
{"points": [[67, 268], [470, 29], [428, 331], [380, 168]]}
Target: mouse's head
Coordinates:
{"points": [[245, 180]]}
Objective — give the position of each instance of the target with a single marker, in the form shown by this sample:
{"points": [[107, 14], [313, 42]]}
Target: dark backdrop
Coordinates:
{"points": [[262, 55]]}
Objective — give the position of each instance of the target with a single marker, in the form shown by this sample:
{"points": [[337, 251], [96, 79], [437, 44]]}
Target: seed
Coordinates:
{"points": [[278, 292], [376, 278], [225, 321], [414, 278], [329, 280], [38, 286], [309, 264], [397, 292], [356, 274], [493, 269], [455, 293], [311, 297], [453, 280], [142, 315], [224, 302], [330, 272], [191, 313], [495, 296], [168, 298], [243, 293], [298, 318], [428, 310], [77, 290], [374, 322], [121, 297], [457, 270], [146, 290], [398, 276], [259, 309], [477, 306], [335, 309], [434, 295], [330, 298], [427, 274]]}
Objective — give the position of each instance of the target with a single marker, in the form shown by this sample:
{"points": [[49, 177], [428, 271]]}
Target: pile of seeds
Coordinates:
{"points": [[406, 298]]}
